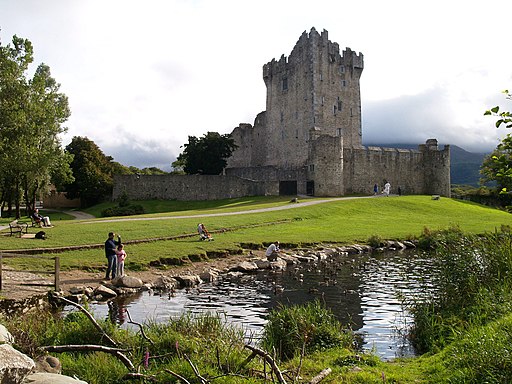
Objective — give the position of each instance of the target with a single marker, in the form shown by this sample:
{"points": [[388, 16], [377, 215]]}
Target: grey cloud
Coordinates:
{"points": [[133, 150], [431, 114]]}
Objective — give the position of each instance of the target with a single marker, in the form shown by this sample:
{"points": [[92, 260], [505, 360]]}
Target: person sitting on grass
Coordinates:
{"points": [[203, 233]]}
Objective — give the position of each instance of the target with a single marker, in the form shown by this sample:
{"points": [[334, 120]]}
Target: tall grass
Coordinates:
{"points": [[311, 327], [212, 345], [473, 279]]}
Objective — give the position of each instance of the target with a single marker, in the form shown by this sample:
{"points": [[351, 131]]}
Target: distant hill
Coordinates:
{"points": [[465, 166]]}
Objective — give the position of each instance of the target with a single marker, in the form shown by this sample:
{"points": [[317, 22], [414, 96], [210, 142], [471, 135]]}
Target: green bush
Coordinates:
{"points": [[374, 241], [309, 327], [123, 211], [431, 239]]}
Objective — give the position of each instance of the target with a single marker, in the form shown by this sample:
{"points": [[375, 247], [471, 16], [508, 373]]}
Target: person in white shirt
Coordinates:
{"points": [[272, 251], [387, 188]]}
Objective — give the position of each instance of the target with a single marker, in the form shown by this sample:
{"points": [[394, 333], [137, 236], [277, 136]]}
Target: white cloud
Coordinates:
{"points": [[145, 75]]}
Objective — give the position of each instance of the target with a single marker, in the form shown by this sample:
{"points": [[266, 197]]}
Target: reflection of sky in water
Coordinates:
{"points": [[361, 290]]}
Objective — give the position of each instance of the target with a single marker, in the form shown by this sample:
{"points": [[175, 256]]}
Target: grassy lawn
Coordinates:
{"points": [[341, 221]]}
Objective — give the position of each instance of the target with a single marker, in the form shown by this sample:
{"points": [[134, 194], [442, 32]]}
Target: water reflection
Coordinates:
{"points": [[362, 291]]}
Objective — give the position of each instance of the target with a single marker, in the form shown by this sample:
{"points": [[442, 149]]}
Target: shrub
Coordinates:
{"points": [[123, 211], [431, 239], [309, 327], [374, 241]]}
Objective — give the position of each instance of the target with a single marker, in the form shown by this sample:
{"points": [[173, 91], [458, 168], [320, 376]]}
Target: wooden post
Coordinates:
{"points": [[57, 273], [1, 271]]}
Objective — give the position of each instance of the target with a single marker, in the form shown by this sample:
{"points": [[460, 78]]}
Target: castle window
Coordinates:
{"points": [[334, 108], [281, 116], [339, 131], [340, 104], [311, 167], [323, 100], [321, 77], [285, 84], [342, 69], [343, 83], [296, 133], [351, 112]]}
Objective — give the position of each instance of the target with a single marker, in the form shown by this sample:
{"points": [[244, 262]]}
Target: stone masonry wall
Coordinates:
{"points": [[190, 187], [414, 171]]}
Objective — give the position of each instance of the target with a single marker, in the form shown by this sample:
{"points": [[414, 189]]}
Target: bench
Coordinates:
{"points": [[35, 222], [18, 227]]}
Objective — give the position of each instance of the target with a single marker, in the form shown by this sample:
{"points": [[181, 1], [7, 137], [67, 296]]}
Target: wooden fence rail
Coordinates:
{"points": [[55, 272]]}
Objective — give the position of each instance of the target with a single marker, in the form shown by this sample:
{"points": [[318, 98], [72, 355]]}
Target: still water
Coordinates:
{"points": [[363, 291]]}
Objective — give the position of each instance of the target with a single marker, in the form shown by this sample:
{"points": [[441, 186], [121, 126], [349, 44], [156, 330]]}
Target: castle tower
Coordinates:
{"points": [[316, 88], [308, 140]]}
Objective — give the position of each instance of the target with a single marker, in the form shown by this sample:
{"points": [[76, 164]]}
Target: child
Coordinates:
{"points": [[121, 255]]}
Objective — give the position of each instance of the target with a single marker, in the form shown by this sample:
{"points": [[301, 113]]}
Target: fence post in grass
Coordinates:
{"points": [[57, 273], [1, 271]]}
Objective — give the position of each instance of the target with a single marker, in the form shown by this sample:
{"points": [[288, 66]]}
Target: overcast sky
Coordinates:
{"points": [[141, 76]]}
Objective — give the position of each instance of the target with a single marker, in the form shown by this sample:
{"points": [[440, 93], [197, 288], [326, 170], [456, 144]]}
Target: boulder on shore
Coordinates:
{"points": [[14, 365]]}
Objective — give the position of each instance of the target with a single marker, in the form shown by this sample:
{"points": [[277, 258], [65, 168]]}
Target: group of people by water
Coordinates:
{"points": [[116, 255]]}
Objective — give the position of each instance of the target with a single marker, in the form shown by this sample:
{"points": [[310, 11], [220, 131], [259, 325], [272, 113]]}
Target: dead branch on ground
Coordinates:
{"points": [[117, 352], [196, 371], [143, 334], [322, 375], [91, 318], [270, 361], [177, 376]]}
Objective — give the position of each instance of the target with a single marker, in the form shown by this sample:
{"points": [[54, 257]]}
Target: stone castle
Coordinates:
{"points": [[310, 137], [308, 141]]}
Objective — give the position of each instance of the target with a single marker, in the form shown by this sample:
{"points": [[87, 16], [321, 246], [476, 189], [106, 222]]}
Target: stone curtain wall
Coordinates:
{"points": [[424, 171], [190, 187]]}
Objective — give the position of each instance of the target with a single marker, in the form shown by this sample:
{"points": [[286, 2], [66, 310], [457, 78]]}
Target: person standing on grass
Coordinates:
{"points": [[110, 253], [121, 255]]}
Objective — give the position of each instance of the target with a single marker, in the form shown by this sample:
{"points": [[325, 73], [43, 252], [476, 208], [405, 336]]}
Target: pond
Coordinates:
{"points": [[363, 291]]}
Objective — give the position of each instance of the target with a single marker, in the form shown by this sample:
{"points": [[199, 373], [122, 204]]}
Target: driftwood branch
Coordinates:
{"points": [[91, 318], [302, 353], [140, 376], [117, 352], [143, 334], [177, 376], [270, 361], [322, 375], [196, 371]]}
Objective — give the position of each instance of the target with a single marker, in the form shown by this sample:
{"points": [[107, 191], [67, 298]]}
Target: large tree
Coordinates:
{"points": [[498, 165], [206, 155], [92, 171], [32, 112]]}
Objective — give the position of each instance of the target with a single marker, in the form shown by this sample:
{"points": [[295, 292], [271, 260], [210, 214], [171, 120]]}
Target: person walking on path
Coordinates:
{"points": [[387, 188], [110, 253], [121, 255]]}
